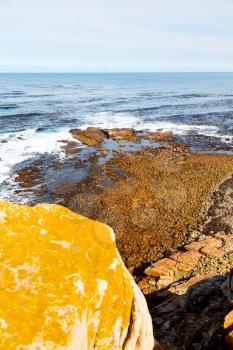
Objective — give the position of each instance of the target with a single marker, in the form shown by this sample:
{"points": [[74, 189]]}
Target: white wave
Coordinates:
{"points": [[226, 138], [108, 120], [26, 144], [181, 129]]}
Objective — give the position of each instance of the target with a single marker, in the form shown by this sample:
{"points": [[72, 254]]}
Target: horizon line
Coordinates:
{"points": [[111, 72]]}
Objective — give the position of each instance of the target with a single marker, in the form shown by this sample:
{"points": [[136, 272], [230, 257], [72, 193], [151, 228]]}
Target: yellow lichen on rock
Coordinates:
{"points": [[63, 284]]}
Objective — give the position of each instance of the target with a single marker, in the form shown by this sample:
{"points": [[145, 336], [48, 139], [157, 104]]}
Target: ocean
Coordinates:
{"points": [[37, 110]]}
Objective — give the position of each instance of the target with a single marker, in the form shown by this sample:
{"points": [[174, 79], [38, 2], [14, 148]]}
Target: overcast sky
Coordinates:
{"points": [[116, 35]]}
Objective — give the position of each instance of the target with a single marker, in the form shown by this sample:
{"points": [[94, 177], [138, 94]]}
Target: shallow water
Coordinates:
{"points": [[37, 110]]}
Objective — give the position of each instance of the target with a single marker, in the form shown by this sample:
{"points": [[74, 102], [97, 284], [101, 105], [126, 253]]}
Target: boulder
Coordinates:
{"points": [[91, 136], [64, 286]]}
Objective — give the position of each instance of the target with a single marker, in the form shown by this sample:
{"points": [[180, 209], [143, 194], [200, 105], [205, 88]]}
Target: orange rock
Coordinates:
{"points": [[120, 134], [167, 268], [163, 267], [209, 250], [228, 320], [91, 136], [175, 255], [207, 246], [144, 286], [60, 276], [187, 260], [197, 245], [165, 281], [213, 242]]}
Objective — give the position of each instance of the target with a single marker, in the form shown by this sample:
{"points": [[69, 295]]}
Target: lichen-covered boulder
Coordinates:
{"points": [[63, 284]]}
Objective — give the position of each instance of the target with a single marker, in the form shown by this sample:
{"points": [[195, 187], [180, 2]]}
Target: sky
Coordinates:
{"points": [[116, 35]]}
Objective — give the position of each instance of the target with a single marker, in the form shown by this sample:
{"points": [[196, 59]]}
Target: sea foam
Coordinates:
{"points": [[20, 146]]}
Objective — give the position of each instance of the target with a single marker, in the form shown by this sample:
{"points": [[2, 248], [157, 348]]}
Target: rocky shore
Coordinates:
{"points": [[172, 213]]}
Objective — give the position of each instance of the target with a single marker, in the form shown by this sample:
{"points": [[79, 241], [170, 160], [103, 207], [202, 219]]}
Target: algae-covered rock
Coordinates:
{"points": [[91, 136], [63, 284]]}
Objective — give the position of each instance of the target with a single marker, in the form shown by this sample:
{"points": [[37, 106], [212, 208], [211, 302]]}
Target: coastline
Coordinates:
{"points": [[163, 201], [150, 189]]}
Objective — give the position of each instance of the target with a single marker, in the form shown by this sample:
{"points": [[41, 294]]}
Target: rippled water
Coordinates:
{"points": [[36, 110]]}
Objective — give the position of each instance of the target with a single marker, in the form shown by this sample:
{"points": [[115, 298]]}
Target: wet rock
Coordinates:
{"points": [[179, 148], [159, 136], [70, 147], [91, 136], [222, 148], [29, 176], [122, 134]]}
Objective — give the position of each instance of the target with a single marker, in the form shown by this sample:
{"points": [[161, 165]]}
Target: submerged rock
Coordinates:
{"points": [[28, 176], [159, 136], [63, 284]]}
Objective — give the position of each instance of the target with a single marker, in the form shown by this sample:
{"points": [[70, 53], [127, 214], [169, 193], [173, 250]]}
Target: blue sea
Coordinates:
{"points": [[38, 110]]}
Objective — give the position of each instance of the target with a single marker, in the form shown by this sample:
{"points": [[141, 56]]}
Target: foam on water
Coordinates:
{"points": [[181, 129], [26, 144], [108, 120]]}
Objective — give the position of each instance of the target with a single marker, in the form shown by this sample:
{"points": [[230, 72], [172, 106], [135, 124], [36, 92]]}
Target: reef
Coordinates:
{"points": [[171, 209]]}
